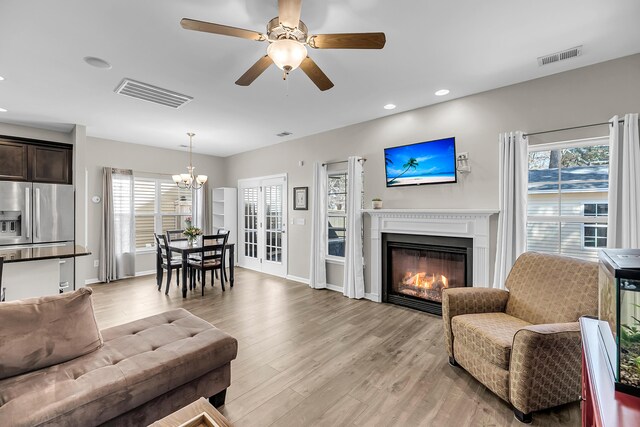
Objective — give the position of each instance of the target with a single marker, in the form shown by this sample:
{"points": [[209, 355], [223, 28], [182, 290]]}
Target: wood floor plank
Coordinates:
{"points": [[314, 357], [270, 411], [342, 413]]}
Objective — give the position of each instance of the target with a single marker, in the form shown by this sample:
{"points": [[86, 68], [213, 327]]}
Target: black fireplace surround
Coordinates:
{"points": [[415, 269]]}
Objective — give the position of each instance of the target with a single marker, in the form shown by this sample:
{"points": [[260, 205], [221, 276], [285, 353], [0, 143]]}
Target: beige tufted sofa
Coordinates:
{"points": [[140, 372], [524, 343]]}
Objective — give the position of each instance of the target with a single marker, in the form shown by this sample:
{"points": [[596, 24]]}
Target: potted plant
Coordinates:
{"points": [[376, 203], [191, 232]]}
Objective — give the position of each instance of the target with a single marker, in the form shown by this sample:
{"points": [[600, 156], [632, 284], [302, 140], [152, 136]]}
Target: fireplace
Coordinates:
{"points": [[416, 268]]}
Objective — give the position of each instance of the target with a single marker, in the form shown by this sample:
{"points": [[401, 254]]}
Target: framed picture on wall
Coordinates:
{"points": [[300, 196]]}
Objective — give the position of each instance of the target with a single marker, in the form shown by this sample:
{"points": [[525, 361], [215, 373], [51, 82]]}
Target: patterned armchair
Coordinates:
{"points": [[524, 344]]}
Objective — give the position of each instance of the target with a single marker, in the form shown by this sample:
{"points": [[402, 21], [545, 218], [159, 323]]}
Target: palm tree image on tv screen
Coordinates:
{"points": [[431, 162]]}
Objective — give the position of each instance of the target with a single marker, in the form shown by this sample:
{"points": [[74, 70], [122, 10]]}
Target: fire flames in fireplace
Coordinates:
{"points": [[423, 285]]}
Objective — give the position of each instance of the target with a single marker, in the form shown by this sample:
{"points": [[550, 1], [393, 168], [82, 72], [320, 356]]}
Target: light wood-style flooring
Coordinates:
{"points": [[315, 358]]}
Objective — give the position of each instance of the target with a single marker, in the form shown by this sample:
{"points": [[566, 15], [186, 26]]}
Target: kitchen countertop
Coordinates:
{"points": [[34, 253]]}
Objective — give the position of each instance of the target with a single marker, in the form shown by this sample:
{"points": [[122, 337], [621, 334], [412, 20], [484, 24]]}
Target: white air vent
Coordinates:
{"points": [[285, 133], [150, 93], [560, 56]]}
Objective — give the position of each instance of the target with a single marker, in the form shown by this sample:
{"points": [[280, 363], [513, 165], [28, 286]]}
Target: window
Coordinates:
{"points": [[567, 198], [337, 212], [595, 235], [159, 205], [596, 209]]}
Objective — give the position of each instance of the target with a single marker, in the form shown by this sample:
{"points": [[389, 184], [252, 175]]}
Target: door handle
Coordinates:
{"points": [[37, 218], [27, 212]]}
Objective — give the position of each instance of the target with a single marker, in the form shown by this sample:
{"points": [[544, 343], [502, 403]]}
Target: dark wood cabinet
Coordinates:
{"points": [[35, 162], [50, 164], [14, 161]]}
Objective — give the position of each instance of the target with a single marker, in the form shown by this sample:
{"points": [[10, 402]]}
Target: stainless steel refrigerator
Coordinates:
{"points": [[35, 213]]}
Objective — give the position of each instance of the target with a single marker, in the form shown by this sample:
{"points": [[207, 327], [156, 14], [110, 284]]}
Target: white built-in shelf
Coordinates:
{"points": [[225, 212]]}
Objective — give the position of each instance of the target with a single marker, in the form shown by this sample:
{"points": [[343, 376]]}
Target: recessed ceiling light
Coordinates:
{"points": [[442, 92], [97, 62], [1, 78], [2, 110], [390, 106]]}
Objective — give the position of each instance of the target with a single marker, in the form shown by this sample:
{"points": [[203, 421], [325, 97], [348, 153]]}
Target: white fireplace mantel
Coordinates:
{"points": [[469, 223]]}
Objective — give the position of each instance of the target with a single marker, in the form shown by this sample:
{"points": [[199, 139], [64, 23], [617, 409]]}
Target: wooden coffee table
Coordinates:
{"points": [[193, 412]]}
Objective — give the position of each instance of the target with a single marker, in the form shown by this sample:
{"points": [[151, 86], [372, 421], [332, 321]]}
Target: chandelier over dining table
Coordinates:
{"points": [[190, 180]]}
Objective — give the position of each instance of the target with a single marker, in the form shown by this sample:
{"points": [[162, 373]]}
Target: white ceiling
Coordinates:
{"points": [[467, 46]]}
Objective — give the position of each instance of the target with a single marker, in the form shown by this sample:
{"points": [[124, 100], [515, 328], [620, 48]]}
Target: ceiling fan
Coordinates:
{"points": [[287, 36]]}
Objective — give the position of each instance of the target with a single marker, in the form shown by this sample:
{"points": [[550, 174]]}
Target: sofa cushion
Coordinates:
{"points": [[488, 335], [138, 362], [40, 332]]}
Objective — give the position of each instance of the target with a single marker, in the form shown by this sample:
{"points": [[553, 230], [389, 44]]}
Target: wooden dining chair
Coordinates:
{"points": [[167, 262], [223, 230], [175, 235], [211, 260]]}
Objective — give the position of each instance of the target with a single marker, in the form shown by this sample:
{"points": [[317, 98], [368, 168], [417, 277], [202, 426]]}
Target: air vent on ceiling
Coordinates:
{"points": [[560, 56], [285, 133], [151, 93]]}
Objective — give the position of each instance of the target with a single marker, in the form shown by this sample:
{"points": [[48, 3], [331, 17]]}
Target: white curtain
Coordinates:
{"points": [[201, 208], [319, 221], [353, 265], [512, 223], [117, 240], [623, 230]]}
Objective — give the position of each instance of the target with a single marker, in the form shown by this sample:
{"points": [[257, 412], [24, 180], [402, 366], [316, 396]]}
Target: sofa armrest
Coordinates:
{"points": [[545, 365], [457, 301]]}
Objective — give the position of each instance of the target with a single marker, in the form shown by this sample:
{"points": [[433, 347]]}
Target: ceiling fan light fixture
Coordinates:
{"points": [[287, 54]]}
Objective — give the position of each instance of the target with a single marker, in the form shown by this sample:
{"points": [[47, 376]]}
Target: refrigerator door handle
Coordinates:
{"points": [[27, 212], [37, 214]]}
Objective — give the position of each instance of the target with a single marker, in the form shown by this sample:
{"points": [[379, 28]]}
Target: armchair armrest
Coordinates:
{"points": [[545, 365], [457, 301]]}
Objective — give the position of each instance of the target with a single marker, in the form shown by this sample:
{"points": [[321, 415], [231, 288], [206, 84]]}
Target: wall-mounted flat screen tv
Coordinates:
{"points": [[429, 162]]}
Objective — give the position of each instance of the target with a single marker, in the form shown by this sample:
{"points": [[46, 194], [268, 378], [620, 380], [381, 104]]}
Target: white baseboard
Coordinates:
{"points": [[370, 297], [297, 279], [145, 273], [335, 288], [138, 274], [373, 297]]}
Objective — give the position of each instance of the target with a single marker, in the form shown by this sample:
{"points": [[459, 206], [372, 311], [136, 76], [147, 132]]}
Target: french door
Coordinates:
{"points": [[263, 221]]}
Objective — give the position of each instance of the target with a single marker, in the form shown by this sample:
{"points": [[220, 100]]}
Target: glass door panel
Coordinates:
{"points": [[263, 219]]}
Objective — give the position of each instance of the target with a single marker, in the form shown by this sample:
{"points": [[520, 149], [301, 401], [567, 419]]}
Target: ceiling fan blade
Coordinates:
{"points": [[348, 41], [254, 72], [210, 27], [289, 12], [316, 75]]}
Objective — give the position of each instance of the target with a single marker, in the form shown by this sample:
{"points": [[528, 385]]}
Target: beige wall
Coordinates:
{"points": [[90, 156], [7, 129], [139, 158], [587, 95]]}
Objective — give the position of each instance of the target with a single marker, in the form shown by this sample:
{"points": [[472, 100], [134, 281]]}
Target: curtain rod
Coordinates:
{"points": [[571, 128], [342, 161]]}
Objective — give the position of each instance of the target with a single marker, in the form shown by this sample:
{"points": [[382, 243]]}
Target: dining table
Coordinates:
{"points": [[184, 248]]}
